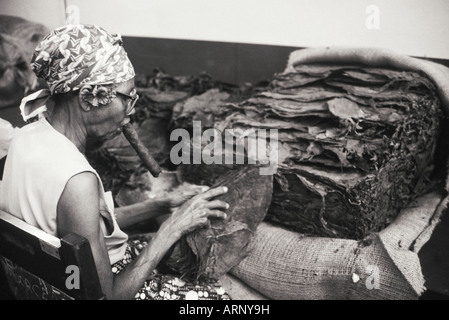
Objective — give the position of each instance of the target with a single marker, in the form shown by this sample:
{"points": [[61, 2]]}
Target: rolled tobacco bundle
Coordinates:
{"points": [[211, 251]]}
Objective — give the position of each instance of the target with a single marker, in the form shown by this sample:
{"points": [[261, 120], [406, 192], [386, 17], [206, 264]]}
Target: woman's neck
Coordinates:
{"points": [[66, 119]]}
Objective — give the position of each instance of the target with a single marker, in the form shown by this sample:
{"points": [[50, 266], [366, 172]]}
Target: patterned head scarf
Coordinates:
{"points": [[73, 56]]}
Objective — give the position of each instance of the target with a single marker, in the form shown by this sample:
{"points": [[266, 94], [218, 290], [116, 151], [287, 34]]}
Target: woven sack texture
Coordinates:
{"points": [[286, 265]]}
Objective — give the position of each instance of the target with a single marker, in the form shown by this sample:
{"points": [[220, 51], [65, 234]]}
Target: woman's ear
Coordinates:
{"points": [[83, 99], [85, 105]]}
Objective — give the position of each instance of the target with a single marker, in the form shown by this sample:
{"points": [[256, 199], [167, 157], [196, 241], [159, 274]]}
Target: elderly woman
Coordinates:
{"points": [[48, 182]]}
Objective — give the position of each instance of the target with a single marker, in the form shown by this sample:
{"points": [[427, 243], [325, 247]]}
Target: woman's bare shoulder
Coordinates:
{"points": [[80, 198]]}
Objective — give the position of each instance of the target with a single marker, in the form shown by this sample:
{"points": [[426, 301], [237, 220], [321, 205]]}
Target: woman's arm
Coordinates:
{"points": [[138, 212], [152, 208], [78, 211]]}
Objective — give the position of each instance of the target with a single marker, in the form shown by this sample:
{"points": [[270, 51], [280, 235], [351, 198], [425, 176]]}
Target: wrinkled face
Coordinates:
{"points": [[104, 123]]}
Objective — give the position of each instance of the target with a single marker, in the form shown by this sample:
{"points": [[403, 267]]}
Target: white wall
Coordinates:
{"points": [[413, 27]]}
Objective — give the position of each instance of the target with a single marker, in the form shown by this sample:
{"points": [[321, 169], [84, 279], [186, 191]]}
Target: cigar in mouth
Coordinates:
{"points": [[143, 153]]}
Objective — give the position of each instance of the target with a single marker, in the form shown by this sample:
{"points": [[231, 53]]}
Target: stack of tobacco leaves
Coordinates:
{"points": [[353, 144]]}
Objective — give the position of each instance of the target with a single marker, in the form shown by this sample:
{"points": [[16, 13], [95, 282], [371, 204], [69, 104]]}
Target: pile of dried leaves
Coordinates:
{"points": [[354, 143]]}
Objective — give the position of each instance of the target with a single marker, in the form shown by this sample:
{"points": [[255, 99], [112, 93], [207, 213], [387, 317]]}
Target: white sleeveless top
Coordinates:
{"points": [[39, 163]]}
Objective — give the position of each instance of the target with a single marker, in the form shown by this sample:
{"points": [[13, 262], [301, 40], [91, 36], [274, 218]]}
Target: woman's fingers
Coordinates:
{"points": [[216, 214], [216, 204], [197, 211], [183, 193], [193, 189], [212, 193], [202, 188]]}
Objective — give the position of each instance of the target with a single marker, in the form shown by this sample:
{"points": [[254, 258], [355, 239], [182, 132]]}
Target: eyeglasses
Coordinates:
{"points": [[132, 100]]}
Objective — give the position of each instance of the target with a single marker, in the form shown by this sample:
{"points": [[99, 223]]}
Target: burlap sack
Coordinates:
{"points": [[385, 265], [285, 265]]}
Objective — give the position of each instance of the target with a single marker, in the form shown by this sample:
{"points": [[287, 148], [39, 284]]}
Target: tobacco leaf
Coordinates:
{"points": [[345, 109], [204, 108], [210, 252]]}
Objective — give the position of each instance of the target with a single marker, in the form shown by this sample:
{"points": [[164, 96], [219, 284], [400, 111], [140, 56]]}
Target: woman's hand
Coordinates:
{"points": [[184, 192], [194, 213]]}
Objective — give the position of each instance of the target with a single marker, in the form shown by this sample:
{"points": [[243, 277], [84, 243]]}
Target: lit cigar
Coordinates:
{"points": [[141, 150]]}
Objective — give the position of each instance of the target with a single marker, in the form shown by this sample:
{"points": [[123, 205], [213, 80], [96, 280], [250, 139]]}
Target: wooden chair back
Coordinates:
{"points": [[39, 266]]}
